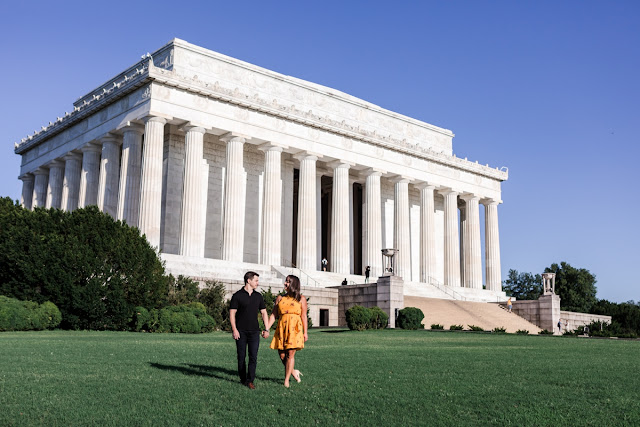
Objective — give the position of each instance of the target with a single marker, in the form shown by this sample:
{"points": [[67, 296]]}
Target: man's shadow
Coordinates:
{"points": [[207, 371]]}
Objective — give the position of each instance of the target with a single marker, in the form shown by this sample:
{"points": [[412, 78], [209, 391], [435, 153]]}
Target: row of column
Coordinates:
{"points": [[127, 184]]}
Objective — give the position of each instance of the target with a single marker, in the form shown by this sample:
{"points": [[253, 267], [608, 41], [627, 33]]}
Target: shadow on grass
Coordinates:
{"points": [[335, 331], [208, 371]]}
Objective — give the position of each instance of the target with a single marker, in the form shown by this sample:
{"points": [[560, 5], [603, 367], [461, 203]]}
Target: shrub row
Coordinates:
{"points": [[189, 318], [16, 315], [360, 318]]}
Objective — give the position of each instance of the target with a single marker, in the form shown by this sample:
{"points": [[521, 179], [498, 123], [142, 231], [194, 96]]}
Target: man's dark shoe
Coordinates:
{"points": [[251, 386]]}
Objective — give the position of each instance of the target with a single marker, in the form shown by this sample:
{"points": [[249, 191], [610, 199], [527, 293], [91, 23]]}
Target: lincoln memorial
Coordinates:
{"points": [[226, 167]]}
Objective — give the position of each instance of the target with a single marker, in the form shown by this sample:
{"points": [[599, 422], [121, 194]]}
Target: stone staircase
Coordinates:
{"points": [[449, 312]]}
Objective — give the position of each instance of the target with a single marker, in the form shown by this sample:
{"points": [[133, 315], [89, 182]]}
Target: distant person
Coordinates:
{"points": [[291, 332], [560, 326], [367, 272], [509, 305], [324, 263], [243, 316], [344, 282]]}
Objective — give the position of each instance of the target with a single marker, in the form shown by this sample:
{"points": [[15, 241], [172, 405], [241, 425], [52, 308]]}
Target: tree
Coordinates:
{"points": [[523, 286], [575, 286], [95, 269]]}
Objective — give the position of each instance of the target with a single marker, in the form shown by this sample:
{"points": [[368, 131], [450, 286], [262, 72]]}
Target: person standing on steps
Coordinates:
{"points": [[324, 263], [243, 316], [509, 305], [367, 272]]}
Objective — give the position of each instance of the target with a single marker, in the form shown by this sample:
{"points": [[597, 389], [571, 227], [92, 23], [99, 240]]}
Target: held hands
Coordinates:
{"points": [[265, 334]]}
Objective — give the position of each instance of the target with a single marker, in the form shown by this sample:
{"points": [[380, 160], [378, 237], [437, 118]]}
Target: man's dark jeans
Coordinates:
{"points": [[252, 340]]}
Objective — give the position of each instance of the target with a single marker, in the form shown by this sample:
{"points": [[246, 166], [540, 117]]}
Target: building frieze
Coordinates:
{"points": [[160, 69]]}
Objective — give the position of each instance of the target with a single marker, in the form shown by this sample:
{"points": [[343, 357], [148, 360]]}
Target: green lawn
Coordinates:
{"points": [[390, 377]]}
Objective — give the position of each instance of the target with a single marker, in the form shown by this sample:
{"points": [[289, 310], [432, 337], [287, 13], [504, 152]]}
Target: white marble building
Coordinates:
{"points": [[227, 166]]}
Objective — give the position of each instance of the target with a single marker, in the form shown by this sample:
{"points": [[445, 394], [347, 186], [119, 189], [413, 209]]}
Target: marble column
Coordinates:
{"points": [[150, 218], [340, 261], [319, 174], [192, 230], [427, 233], [234, 204], [271, 205], [89, 175], [54, 184], [307, 251], [401, 229], [26, 199], [130, 168], [40, 188], [462, 239], [108, 183], [373, 224], [451, 239], [71, 181], [492, 246], [472, 244]]}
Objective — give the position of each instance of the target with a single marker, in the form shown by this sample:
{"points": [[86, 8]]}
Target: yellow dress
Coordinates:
{"points": [[289, 334]]}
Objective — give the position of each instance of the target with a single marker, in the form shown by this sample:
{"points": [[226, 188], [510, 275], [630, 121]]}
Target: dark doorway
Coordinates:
{"points": [[324, 317]]}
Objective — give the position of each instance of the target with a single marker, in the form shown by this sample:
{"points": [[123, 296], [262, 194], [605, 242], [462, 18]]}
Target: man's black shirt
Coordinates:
{"points": [[248, 307]]}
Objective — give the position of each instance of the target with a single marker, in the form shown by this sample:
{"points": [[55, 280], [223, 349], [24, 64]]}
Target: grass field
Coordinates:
{"points": [[389, 377]]}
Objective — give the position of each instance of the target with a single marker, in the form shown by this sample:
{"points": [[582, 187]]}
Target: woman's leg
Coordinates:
{"points": [[290, 362]]}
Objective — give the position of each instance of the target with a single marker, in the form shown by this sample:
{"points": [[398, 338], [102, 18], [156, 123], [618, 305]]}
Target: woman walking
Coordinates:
{"points": [[291, 332]]}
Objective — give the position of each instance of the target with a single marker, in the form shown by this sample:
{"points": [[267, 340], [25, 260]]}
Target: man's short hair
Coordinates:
{"points": [[249, 275]]}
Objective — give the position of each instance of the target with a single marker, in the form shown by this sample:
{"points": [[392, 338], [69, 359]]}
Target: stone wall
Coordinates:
{"points": [[387, 294], [572, 320], [545, 313]]}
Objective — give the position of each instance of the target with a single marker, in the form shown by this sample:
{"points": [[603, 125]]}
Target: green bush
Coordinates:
{"points": [[456, 327], [358, 318], [95, 269], [410, 318], [140, 319], [545, 332], [475, 328], [522, 332], [379, 319], [499, 330], [212, 296], [16, 315], [187, 318], [437, 326]]}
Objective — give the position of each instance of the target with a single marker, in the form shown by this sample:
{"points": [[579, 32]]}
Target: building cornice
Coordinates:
{"points": [[159, 68]]}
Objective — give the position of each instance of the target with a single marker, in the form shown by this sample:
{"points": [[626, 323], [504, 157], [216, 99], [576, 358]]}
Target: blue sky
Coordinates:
{"points": [[549, 89]]}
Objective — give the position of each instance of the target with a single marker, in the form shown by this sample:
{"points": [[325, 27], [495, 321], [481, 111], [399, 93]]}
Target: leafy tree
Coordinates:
{"points": [[624, 316], [523, 286], [182, 290], [575, 286], [95, 269]]}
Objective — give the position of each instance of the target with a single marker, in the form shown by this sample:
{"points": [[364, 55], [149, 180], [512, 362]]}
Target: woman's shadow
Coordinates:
{"points": [[206, 371]]}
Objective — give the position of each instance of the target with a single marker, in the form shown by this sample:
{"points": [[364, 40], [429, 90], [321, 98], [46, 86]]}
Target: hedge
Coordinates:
{"points": [[16, 315]]}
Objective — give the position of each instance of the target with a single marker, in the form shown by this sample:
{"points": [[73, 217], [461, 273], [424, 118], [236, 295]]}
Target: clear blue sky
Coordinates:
{"points": [[550, 89]]}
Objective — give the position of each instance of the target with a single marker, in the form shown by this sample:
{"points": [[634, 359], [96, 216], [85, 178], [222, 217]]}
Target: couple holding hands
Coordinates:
{"points": [[289, 336]]}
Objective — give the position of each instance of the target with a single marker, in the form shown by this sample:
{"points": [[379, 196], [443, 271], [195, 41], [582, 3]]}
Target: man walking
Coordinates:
{"points": [[243, 315]]}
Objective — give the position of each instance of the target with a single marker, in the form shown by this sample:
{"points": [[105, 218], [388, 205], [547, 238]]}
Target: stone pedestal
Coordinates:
{"points": [[390, 296]]}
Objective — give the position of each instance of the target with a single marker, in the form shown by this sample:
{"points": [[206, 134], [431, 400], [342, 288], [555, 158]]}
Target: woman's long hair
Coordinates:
{"points": [[294, 287]]}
